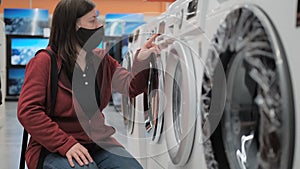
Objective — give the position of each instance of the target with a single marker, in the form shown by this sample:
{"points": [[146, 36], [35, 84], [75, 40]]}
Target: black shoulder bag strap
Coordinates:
{"points": [[53, 86]]}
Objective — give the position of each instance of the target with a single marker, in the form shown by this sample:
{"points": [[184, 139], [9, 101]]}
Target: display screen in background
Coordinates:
{"points": [[15, 81], [119, 24], [25, 21], [298, 14], [23, 49]]}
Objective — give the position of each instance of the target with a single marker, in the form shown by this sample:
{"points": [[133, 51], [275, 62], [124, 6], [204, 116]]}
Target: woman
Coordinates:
{"points": [[76, 135]]}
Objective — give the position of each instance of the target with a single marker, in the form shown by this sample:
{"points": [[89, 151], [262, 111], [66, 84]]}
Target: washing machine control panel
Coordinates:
{"points": [[151, 33], [179, 18], [191, 9], [161, 30]]}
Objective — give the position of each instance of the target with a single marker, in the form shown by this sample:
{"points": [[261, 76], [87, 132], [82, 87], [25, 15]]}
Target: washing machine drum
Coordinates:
{"points": [[155, 100], [128, 104], [180, 114], [257, 128]]}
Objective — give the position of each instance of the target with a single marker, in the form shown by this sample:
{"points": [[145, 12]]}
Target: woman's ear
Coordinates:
{"points": [[77, 27], [78, 24]]}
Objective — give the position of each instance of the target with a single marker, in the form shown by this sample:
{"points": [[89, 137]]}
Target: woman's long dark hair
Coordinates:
{"points": [[63, 37]]}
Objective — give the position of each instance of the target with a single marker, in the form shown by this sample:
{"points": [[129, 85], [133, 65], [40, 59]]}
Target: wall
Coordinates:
{"points": [[104, 6], [149, 9]]}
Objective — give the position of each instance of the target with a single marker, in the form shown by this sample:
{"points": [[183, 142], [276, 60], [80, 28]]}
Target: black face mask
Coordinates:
{"points": [[89, 39]]}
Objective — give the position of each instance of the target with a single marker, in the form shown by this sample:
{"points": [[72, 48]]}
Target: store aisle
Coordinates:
{"points": [[11, 133], [10, 136]]}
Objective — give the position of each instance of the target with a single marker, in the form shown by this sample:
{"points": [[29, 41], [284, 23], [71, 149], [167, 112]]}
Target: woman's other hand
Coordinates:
{"points": [[80, 154]]}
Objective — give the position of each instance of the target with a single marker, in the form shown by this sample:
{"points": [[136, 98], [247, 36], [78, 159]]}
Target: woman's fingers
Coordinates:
{"points": [[149, 43], [165, 43], [155, 49], [148, 48], [78, 160], [87, 155], [82, 157], [80, 154], [70, 159]]}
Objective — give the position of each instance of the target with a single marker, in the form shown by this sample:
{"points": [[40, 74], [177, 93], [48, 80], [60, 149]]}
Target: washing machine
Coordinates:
{"points": [[133, 108], [154, 98], [254, 46], [3, 58], [183, 79], [209, 99], [145, 128], [128, 104], [2, 69]]}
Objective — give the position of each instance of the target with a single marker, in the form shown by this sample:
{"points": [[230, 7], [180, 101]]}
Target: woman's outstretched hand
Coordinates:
{"points": [[148, 48]]}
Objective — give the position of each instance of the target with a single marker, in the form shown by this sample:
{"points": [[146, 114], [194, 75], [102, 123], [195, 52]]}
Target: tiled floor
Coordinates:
{"points": [[10, 136], [11, 133]]}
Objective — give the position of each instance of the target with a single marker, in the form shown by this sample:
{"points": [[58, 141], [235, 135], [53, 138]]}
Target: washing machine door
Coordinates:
{"points": [[128, 104], [155, 101], [258, 127], [180, 114]]}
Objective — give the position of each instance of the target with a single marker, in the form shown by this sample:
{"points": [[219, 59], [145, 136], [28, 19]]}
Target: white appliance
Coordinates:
{"points": [[3, 59], [2, 70], [128, 104], [184, 71], [253, 47], [133, 108], [257, 45], [154, 99]]}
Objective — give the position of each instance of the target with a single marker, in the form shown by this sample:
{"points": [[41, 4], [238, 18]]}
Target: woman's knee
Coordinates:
{"points": [[56, 161], [116, 157]]}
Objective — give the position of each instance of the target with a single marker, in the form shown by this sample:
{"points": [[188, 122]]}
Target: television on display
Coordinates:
{"points": [[114, 28], [120, 28], [15, 79], [122, 24], [25, 21], [20, 49]]}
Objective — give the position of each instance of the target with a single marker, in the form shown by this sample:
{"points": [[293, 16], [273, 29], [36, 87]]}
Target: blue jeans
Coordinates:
{"points": [[112, 158]]}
